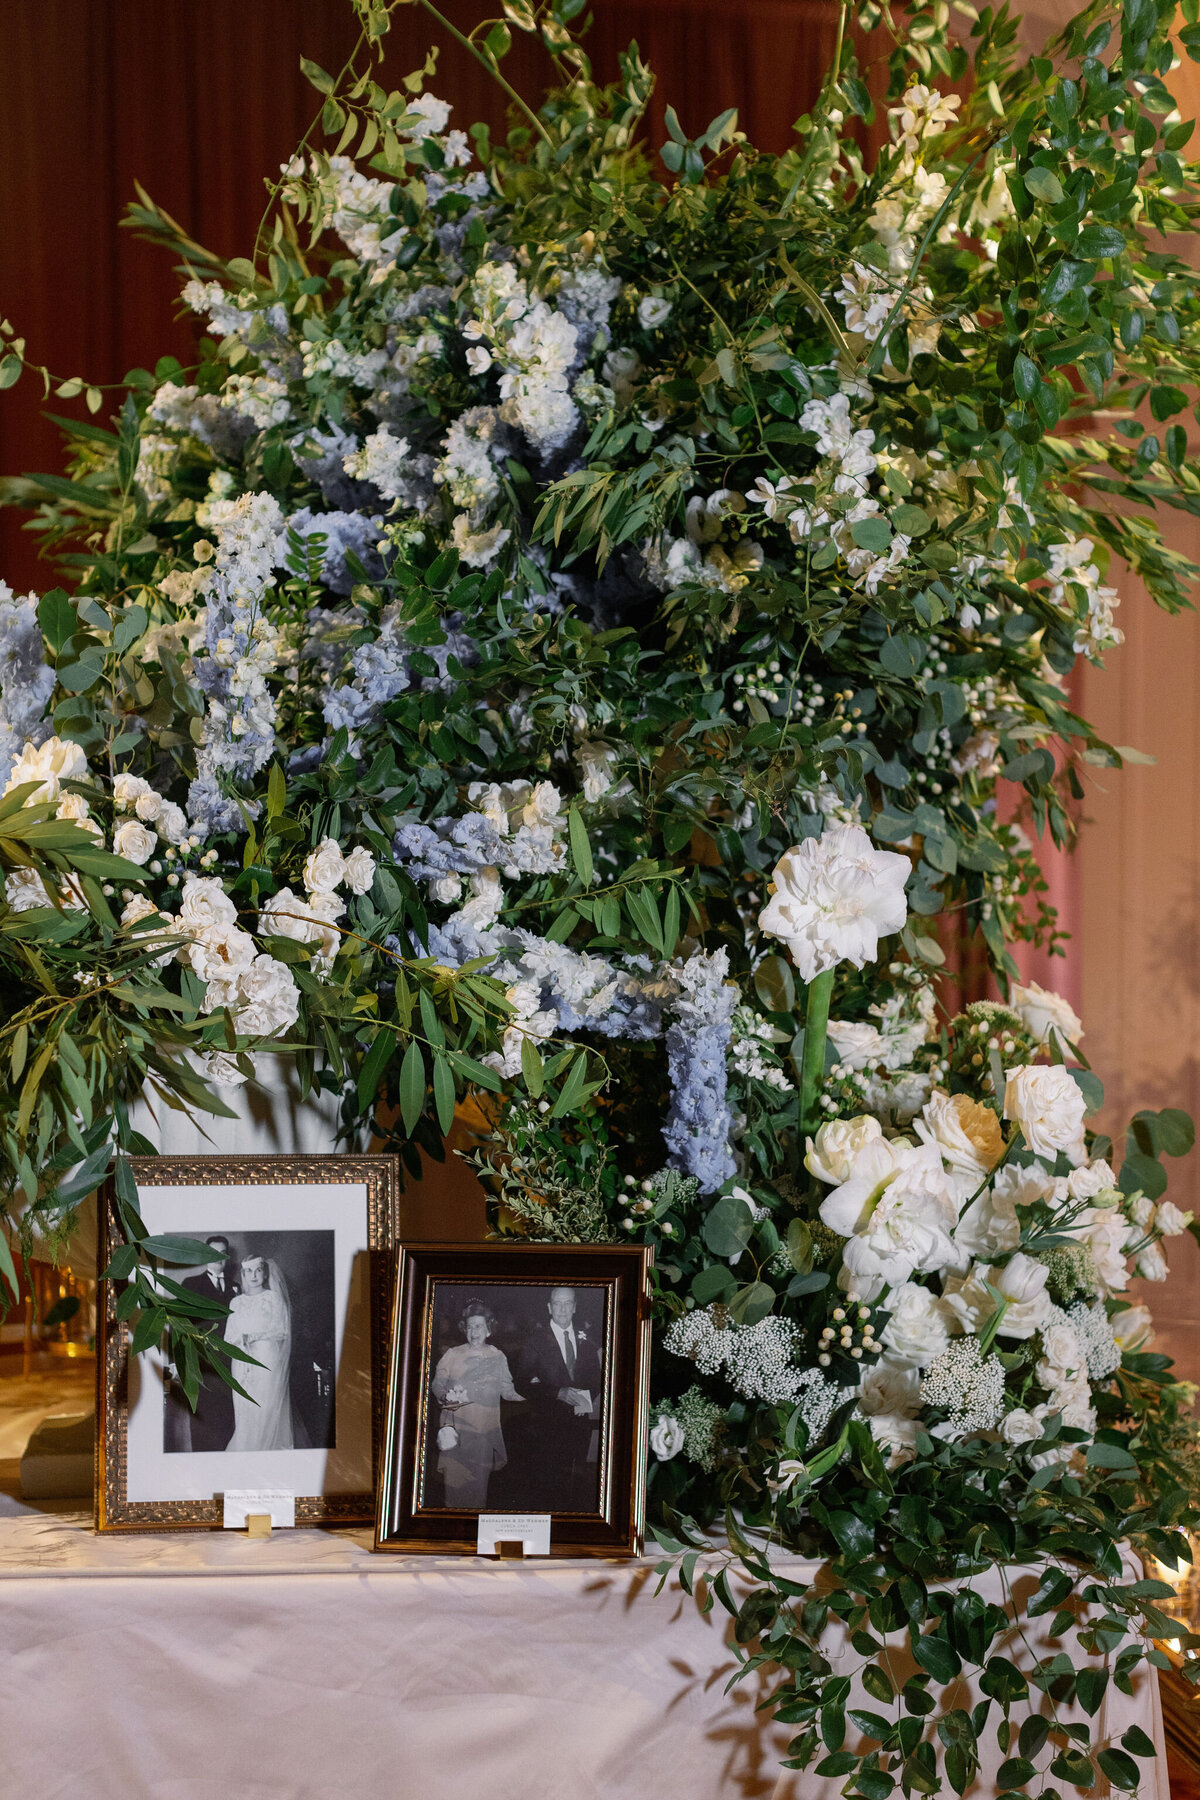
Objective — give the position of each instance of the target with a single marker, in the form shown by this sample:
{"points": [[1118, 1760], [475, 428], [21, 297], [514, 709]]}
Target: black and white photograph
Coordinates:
{"points": [[297, 1282], [516, 1395], [278, 1286], [518, 1384]]}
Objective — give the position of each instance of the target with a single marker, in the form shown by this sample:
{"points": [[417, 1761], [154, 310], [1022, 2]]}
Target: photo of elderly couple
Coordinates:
{"points": [[515, 1400], [278, 1287]]}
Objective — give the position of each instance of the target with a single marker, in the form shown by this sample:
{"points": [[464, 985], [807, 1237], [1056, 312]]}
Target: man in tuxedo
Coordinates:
{"points": [[212, 1422], [559, 1374]]}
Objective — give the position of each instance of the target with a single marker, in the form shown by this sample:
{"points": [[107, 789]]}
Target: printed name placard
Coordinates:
{"points": [[532, 1530], [241, 1502]]}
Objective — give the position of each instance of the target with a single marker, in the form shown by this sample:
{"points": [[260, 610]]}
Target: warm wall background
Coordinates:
{"points": [[200, 101]]}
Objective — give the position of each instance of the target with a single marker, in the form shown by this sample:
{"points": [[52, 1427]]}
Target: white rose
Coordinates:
{"points": [[666, 1438], [24, 889], [137, 909], [653, 312], [220, 1069], [896, 1437], [1045, 1014], [326, 909], [1092, 1179], [128, 790], [1021, 1282], [134, 842], [358, 871], [172, 822], [56, 761], [1020, 1427], [1049, 1107], [1061, 1355], [920, 1326], [205, 905], [1170, 1220], [286, 916], [73, 807], [219, 955], [148, 806], [445, 889], [967, 1134], [890, 1386], [832, 1153], [325, 867], [835, 897], [270, 998]]}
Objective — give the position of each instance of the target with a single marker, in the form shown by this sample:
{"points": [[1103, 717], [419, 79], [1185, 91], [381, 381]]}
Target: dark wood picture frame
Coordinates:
{"points": [[406, 1522], [380, 1175]]}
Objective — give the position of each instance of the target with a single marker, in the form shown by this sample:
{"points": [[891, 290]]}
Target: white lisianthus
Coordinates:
{"points": [[1049, 1107], [1105, 1233], [1170, 1220], [205, 905], [1092, 1179], [666, 1437], [920, 1327], [890, 1386], [1045, 1015], [1150, 1263], [270, 998], [325, 867], [835, 897], [358, 870], [832, 1153], [1021, 1282], [134, 841], [652, 312], [50, 764]]}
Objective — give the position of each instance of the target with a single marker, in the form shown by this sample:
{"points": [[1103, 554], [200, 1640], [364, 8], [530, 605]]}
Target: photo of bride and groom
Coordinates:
{"points": [[278, 1287]]}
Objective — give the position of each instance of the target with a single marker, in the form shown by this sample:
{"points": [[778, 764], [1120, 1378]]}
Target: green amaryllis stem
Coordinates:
{"points": [[812, 1066]]}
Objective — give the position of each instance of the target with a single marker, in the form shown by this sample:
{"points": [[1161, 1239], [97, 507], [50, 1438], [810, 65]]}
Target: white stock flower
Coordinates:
{"points": [[920, 1326], [56, 761], [1044, 1014], [666, 1437], [1049, 1107], [134, 841], [835, 897], [358, 871], [832, 1153], [1021, 1282], [325, 867]]}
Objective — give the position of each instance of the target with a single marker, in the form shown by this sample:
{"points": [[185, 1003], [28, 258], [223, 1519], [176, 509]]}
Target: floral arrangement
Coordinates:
{"points": [[560, 647]]}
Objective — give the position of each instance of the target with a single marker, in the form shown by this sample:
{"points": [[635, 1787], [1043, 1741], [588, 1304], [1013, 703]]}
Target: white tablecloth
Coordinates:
{"points": [[212, 1667]]}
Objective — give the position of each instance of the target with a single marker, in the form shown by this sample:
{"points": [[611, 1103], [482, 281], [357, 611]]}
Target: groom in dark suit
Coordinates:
{"points": [[212, 1422], [559, 1373]]}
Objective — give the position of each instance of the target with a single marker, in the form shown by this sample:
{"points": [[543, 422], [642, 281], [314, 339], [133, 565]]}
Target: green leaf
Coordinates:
{"points": [[1142, 1175], [374, 1063], [775, 984], [571, 1092], [173, 1249], [1026, 379], [1121, 1769], [1096, 243], [714, 1282], [939, 1659], [581, 850], [443, 1093], [1043, 184], [531, 1068], [729, 1226], [1091, 1686], [10, 372], [752, 1303], [316, 75], [56, 616], [498, 41], [873, 534], [412, 1086], [8, 1269]]}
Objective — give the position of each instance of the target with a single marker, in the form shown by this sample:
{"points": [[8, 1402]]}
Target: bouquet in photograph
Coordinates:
{"points": [[557, 656]]}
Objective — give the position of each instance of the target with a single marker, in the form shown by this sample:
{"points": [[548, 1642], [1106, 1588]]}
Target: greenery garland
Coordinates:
{"points": [[559, 648]]}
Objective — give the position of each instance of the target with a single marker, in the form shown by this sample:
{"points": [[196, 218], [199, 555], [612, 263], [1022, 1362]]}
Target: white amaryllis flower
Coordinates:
{"points": [[358, 871], [1021, 1282], [666, 1437], [832, 1153], [324, 867], [55, 761], [1049, 1107], [1045, 1014], [898, 1213], [835, 897], [134, 841]]}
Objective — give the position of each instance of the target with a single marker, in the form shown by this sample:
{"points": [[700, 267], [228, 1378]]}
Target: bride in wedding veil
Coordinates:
{"points": [[260, 1321]]}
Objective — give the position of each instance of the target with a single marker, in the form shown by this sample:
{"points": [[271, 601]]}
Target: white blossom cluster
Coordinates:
{"points": [[967, 1386], [757, 1360], [534, 347], [752, 1051]]}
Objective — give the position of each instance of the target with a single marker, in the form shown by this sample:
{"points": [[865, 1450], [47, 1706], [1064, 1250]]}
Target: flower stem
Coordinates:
{"points": [[812, 1066]]}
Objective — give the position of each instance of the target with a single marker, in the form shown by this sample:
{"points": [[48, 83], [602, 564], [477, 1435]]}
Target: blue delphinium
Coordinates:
{"points": [[380, 673], [449, 847], [26, 684], [698, 1120]]}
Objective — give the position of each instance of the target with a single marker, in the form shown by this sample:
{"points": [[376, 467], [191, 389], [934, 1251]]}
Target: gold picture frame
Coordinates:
{"points": [[447, 1459], [356, 1279]]}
